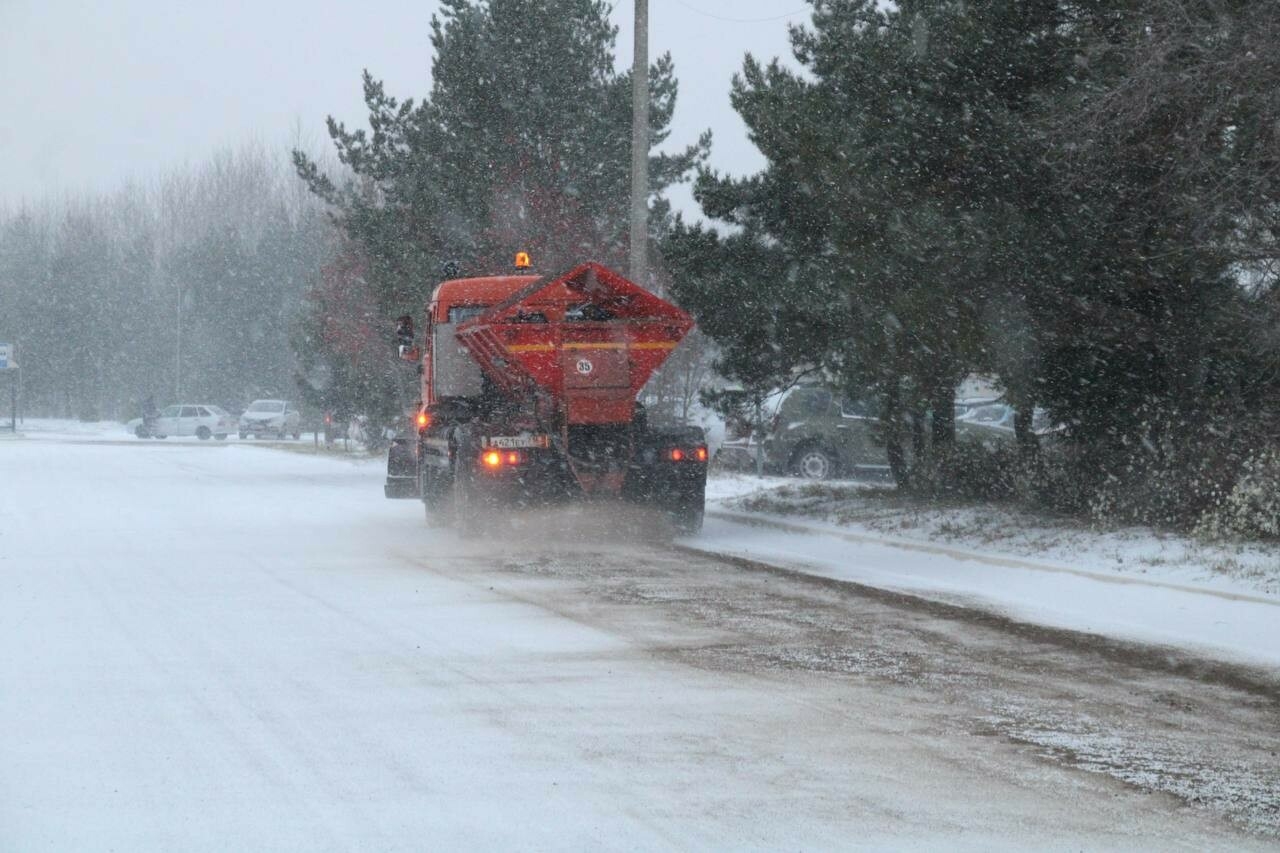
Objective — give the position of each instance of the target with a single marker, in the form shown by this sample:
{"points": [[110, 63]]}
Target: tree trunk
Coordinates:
{"points": [[891, 421], [942, 400], [919, 441], [1028, 445]]}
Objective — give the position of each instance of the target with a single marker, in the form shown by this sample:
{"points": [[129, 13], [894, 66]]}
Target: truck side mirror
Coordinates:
{"points": [[404, 333]]}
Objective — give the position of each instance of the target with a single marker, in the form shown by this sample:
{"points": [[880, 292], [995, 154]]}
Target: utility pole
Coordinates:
{"points": [[177, 352], [640, 149]]}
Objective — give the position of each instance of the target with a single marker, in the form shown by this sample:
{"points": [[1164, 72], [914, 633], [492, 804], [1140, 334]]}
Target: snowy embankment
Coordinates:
{"points": [[1218, 601]]}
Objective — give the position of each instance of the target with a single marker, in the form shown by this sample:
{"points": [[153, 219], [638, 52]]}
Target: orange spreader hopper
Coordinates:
{"points": [[583, 344]]}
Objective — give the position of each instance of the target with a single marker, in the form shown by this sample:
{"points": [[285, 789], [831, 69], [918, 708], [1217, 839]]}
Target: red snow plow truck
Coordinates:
{"points": [[529, 387]]}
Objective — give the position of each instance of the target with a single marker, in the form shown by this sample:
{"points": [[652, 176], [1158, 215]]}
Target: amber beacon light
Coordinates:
{"points": [[522, 261]]}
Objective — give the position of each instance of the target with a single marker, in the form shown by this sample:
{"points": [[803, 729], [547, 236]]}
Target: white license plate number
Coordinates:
{"points": [[508, 442]]}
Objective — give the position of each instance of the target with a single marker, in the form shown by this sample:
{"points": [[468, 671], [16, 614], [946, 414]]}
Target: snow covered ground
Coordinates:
{"points": [[220, 645], [1216, 600]]}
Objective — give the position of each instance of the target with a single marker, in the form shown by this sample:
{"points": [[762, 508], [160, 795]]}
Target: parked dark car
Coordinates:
{"points": [[818, 434]]}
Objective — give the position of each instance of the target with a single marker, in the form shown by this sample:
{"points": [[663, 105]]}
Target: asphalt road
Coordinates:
{"points": [[221, 646]]}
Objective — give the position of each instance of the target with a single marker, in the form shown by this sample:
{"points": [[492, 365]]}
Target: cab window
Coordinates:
{"points": [[461, 313]]}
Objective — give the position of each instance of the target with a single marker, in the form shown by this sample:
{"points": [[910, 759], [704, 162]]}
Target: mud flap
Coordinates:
{"points": [[677, 487], [402, 469], [400, 487]]}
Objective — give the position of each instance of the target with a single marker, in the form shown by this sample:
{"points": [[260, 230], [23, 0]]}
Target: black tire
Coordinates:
{"points": [[203, 433], [439, 512], [437, 497], [814, 463], [465, 507], [160, 436], [688, 522], [463, 504]]}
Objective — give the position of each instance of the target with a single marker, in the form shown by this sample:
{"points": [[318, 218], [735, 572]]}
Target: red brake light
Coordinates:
{"points": [[497, 458], [676, 454]]}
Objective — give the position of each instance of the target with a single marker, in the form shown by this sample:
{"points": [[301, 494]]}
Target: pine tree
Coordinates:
{"points": [[900, 198], [522, 144]]}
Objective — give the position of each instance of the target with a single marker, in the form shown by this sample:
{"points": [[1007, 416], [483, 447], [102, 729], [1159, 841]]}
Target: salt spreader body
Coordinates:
{"points": [[529, 388]]}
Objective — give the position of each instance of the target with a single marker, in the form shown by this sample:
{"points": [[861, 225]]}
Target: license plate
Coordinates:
{"points": [[513, 441]]}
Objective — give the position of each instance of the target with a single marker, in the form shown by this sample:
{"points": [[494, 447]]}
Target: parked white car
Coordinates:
{"points": [[275, 418], [202, 420]]}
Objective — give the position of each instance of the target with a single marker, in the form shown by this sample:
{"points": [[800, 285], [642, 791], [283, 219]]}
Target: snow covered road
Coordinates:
{"points": [[221, 646]]}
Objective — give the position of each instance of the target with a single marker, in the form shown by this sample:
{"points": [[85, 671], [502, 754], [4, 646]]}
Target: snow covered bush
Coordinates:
{"points": [[1168, 488], [969, 471], [1251, 509]]}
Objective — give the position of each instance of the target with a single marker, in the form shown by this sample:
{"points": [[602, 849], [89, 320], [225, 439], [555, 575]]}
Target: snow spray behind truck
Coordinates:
{"points": [[529, 389]]}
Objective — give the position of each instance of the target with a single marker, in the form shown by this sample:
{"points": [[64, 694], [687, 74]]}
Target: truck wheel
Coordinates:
{"points": [[688, 522], [439, 512], [437, 498], [203, 433], [815, 463], [466, 509]]}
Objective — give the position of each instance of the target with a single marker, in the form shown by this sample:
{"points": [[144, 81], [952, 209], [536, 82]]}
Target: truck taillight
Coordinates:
{"points": [[497, 458], [700, 454], [676, 454], [679, 454], [424, 420]]}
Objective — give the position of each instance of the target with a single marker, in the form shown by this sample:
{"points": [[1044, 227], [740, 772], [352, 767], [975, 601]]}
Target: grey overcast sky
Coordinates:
{"points": [[93, 94]]}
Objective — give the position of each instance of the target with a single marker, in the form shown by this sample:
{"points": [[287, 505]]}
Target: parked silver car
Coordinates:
{"points": [[202, 420], [991, 423], [274, 418]]}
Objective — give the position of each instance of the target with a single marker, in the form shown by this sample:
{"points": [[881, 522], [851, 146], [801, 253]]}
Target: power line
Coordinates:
{"points": [[738, 20]]}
